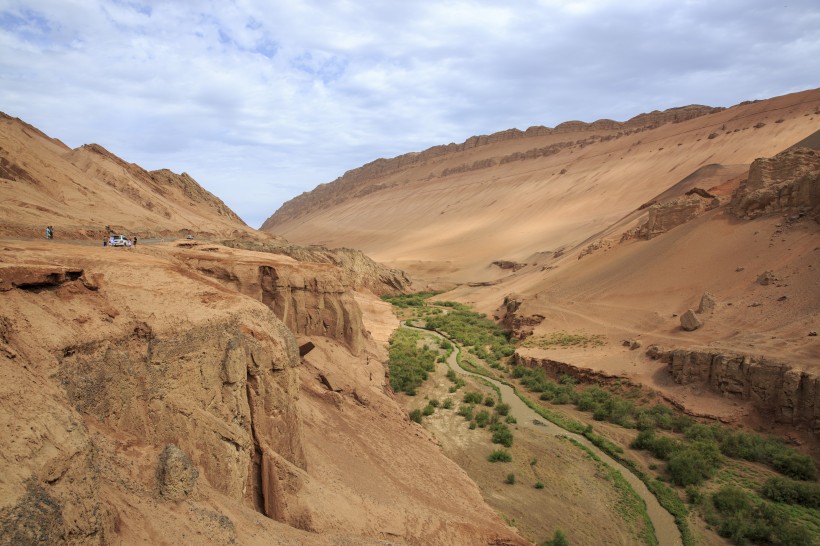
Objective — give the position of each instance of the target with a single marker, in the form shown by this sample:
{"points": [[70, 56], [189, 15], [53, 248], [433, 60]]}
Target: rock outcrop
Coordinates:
{"points": [[309, 298], [520, 326], [359, 271], [664, 216], [775, 389], [786, 183]]}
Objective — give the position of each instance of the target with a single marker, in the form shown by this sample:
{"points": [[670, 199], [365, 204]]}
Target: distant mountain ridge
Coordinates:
{"points": [[506, 196], [354, 182]]}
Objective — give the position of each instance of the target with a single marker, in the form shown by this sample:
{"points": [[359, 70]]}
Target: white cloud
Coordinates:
{"points": [[261, 100]]}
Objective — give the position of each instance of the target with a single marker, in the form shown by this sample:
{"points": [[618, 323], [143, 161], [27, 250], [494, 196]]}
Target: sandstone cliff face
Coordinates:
{"points": [[309, 298], [788, 182], [92, 352], [790, 396], [357, 268]]}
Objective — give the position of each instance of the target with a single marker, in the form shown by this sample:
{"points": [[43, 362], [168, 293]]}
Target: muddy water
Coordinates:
{"points": [[665, 529]]}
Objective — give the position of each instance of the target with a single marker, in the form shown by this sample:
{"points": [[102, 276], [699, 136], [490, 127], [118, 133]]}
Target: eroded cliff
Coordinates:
{"points": [[152, 395], [790, 396]]}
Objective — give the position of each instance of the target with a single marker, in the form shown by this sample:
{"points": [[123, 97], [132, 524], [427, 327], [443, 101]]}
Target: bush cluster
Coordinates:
{"points": [[696, 458], [792, 492], [404, 301], [483, 337], [409, 363], [742, 518], [500, 455]]}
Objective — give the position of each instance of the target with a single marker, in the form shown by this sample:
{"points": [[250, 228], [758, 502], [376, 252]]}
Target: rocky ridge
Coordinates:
{"points": [[356, 182]]}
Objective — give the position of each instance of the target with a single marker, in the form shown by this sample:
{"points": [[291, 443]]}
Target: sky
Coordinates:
{"points": [[261, 100]]}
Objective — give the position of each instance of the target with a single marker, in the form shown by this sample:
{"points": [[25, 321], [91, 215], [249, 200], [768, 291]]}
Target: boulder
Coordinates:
{"points": [[766, 278], [176, 474], [708, 303], [689, 321]]}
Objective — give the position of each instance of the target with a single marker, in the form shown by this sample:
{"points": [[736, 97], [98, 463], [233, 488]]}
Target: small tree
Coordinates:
{"points": [[558, 539]]}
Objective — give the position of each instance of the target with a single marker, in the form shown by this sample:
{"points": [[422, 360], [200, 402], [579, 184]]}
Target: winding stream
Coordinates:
{"points": [[666, 531]]}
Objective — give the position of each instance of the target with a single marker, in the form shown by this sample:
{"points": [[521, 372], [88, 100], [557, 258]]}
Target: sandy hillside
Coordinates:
{"points": [[447, 213], [613, 231], [79, 192]]}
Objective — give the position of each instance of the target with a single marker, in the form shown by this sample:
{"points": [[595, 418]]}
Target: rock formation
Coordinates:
{"points": [[786, 183], [775, 389], [689, 321], [664, 216]]}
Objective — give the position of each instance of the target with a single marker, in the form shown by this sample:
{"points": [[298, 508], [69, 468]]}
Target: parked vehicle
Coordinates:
{"points": [[119, 240]]}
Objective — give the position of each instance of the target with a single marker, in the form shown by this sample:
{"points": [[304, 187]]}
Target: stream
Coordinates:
{"points": [[666, 531]]}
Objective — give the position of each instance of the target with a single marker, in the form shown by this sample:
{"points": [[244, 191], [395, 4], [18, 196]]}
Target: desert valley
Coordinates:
{"points": [[646, 287]]}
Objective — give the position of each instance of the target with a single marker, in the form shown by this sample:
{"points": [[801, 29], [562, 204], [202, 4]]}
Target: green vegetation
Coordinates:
{"points": [[409, 361], [564, 340], [558, 539], [510, 479], [429, 409], [473, 397], [742, 518], [500, 455], [415, 415], [502, 434], [447, 404], [502, 409], [792, 492], [473, 331], [539, 485], [403, 301]]}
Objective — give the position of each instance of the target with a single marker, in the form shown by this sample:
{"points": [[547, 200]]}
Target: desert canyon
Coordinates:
{"points": [[233, 387]]}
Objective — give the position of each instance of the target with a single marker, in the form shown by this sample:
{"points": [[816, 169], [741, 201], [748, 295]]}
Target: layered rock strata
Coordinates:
{"points": [[775, 389], [788, 182]]}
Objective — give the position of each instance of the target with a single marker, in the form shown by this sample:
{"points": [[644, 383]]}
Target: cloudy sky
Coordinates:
{"points": [[260, 100]]}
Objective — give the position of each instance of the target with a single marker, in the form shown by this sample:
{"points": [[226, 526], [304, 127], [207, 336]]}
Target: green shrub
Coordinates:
{"points": [[428, 410], [447, 404], [539, 485], [511, 420], [792, 492], [482, 418], [743, 519], [558, 539], [510, 479], [489, 401], [694, 464], [415, 415], [472, 425], [502, 435], [795, 465], [466, 411], [434, 402], [472, 397], [500, 455]]}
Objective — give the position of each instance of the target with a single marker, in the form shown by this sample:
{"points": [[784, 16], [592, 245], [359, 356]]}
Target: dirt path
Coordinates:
{"points": [[666, 531]]}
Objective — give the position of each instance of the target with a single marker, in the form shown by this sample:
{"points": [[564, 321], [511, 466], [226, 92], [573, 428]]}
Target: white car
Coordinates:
{"points": [[119, 240]]}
